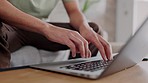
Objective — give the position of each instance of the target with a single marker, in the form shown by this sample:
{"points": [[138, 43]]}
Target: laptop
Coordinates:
{"points": [[94, 68]]}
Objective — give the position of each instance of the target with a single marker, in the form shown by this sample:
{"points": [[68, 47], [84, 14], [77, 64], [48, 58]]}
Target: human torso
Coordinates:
{"points": [[37, 8]]}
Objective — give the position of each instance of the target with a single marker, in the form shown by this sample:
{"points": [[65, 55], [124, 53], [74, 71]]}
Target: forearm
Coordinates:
{"points": [[78, 20], [15, 17]]}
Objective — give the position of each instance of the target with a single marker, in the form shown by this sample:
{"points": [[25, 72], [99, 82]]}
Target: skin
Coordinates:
{"points": [[77, 42]]}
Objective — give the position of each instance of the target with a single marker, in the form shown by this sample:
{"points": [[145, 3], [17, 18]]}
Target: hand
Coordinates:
{"points": [[70, 38], [91, 36]]}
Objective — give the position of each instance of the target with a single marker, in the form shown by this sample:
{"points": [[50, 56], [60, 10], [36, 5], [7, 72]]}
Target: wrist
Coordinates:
{"points": [[45, 29], [84, 27]]}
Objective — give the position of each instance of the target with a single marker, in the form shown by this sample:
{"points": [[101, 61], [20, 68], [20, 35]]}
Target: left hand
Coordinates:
{"points": [[91, 36]]}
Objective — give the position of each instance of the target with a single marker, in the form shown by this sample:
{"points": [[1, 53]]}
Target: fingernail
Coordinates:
{"points": [[82, 56], [73, 55], [104, 59], [111, 58]]}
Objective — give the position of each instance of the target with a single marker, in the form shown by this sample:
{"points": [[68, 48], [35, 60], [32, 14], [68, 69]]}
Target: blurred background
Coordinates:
{"points": [[118, 18]]}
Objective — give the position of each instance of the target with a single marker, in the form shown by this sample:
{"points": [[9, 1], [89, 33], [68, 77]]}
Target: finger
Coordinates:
{"points": [[87, 51], [107, 47], [89, 54], [99, 45], [72, 47], [79, 44]]}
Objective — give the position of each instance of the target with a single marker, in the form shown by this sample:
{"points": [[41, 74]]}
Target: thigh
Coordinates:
{"points": [[18, 38], [13, 40], [41, 42], [4, 47]]}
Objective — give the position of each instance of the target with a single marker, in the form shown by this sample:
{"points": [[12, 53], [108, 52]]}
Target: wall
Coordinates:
{"points": [[130, 15], [102, 13]]}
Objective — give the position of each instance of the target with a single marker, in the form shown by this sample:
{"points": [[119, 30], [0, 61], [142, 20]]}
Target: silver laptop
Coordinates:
{"points": [[132, 53]]}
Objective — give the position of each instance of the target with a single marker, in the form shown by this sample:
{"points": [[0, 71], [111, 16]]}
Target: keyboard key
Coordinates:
{"points": [[89, 66]]}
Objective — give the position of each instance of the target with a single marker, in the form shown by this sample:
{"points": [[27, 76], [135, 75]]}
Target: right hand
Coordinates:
{"points": [[68, 37]]}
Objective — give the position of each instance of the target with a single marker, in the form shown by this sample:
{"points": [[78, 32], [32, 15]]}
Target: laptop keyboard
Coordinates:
{"points": [[89, 66]]}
